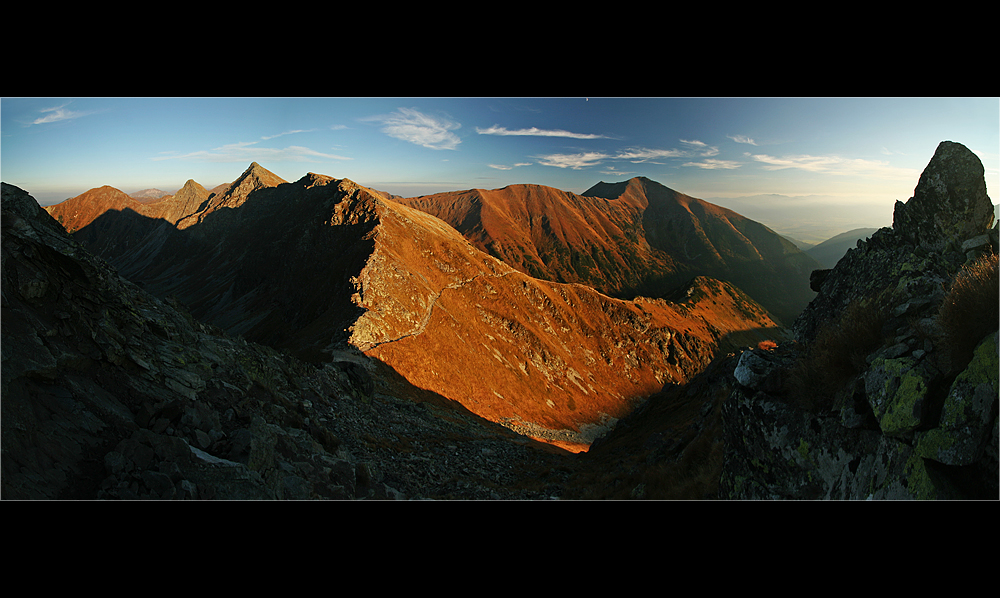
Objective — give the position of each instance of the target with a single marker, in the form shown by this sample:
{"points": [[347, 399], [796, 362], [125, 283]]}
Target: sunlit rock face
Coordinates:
{"points": [[891, 390]]}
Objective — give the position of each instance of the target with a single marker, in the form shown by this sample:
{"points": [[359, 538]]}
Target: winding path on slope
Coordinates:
{"points": [[430, 310]]}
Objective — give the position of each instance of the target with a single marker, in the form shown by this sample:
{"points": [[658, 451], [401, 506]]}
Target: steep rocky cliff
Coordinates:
{"points": [[890, 391]]}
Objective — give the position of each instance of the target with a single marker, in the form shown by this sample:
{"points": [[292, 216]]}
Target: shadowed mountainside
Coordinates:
{"points": [[626, 239], [321, 265], [110, 393], [718, 242]]}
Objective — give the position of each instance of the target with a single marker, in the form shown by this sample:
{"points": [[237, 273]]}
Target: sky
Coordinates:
{"points": [[808, 168]]}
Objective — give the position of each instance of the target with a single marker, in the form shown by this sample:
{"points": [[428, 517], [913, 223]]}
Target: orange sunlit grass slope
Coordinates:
{"points": [[511, 347]]}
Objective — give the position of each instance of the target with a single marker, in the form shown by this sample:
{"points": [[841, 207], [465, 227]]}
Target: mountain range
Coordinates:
{"points": [[318, 339], [148, 195], [625, 239], [549, 312]]}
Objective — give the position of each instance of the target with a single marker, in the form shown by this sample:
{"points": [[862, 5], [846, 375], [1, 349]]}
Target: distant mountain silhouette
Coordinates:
{"points": [[829, 252], [148, 195], [86, 217], [322, 267]]}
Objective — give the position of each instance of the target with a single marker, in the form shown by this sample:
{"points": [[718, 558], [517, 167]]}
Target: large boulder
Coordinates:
{"points": [[949, 203]]}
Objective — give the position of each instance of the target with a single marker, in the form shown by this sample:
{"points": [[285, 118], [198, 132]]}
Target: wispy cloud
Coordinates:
{"points": [[696, 149], [835, 165], [700, 147], [713, 164], [574, 161], [245, 151], [536, 132], [644, 155], [697, 152], [409, 124], [57, 114], [742, 139], [612, 171], [288, 133], [505, 167]]}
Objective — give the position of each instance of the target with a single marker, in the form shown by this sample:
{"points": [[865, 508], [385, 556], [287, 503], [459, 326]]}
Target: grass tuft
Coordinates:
{"points": [[970, 310], [834, 359]]}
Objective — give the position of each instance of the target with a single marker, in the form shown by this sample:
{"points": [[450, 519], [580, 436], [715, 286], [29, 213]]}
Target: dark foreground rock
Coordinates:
{"points": [[890, 390], [111, 393]]}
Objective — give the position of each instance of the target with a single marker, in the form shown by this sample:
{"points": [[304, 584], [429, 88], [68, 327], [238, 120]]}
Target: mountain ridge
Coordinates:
{"points": [[627, 239], [321, 265]]}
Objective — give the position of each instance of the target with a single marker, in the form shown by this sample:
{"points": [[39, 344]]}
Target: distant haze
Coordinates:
{"points": [[811, 219]]}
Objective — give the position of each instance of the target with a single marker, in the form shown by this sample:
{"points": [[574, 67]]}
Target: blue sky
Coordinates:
{"points": [[804, 166]]}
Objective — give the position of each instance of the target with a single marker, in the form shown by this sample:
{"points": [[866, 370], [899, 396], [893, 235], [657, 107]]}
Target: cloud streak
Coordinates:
{"points": [[505, 167], [409, 124], [287, 133], [713, 164], [536, 132], [835, 165], [56, 114], [573, 161], [742, 139], [243, 151], [639, 155]]}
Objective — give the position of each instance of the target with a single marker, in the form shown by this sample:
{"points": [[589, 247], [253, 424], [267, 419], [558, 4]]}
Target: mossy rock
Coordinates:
{"points": [[897, 392], [968, 415]]}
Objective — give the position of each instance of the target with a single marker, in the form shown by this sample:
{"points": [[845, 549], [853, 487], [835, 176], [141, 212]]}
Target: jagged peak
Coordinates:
{"points": [[258, 172], [191, 185], [949, 203]]}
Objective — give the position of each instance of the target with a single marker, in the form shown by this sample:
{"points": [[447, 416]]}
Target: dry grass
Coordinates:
{"points": [[969, 310], [837, 355]]}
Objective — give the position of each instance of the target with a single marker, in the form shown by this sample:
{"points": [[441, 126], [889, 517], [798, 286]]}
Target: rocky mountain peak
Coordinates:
{"points": [[191, 184], [256, 177], [311, 179], [948, 203]]}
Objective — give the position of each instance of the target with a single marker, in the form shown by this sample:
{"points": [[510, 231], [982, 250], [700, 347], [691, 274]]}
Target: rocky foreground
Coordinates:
{"points": [[890, 390]]}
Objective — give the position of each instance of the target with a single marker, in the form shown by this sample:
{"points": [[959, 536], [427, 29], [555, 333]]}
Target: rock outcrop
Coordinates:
{"points": [[890, 391]]}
